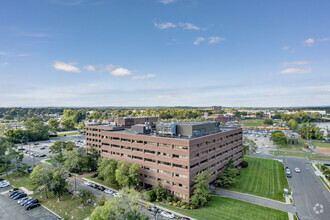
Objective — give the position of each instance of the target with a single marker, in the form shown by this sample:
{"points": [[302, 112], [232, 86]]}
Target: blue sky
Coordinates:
{"points": [[164, 53]]}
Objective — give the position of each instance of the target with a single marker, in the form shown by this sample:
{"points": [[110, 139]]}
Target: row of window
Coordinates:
{"points": [[166, 181], [146, 151], [220, 139], [165, 172]]}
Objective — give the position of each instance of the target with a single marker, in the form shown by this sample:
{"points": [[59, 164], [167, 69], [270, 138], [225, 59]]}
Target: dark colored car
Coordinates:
{"points": [[19, 196], [183, 218], [26, 201], [31, 202], [101, 188], [32, 205], [30, 170], [36, 143], [1, 179], [13, 194], [41, 155]]}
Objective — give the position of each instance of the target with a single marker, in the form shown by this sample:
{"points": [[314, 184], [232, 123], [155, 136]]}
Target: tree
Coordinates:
{"points": [[122, 174], [268, 121], [201, 193], [124, 207], [92, 157], [36, 129], [134, 174], [74, 160], [279, 138], [228, 177], [109, 172], [159, 190], [57, 147], [260, 114], [249, 146], [58, 185], [85, 196], [41, 176], [53, 125], [68, 123], [5, 157], [101, 201]]}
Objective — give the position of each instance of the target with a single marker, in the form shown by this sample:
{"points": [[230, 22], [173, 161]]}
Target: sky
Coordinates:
{"points": [[232, 53]]}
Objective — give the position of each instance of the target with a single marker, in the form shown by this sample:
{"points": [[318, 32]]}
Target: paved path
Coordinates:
{"points": [[256, 200]]}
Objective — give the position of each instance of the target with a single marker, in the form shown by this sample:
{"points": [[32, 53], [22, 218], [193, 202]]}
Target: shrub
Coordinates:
{"points": [[193, 207], [183, 203], [175, 204], [170, 203], [169, 199], [183, 207], [179, 203], [150, 196], [176, 199], [94, 175], [157, 200], [244, 164]]}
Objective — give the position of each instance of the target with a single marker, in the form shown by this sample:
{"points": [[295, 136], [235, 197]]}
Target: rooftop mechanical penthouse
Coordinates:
{"points": [[173, 153]]}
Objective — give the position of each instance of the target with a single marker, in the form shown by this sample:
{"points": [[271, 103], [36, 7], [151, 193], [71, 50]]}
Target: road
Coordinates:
{"points": [[311, 198]]}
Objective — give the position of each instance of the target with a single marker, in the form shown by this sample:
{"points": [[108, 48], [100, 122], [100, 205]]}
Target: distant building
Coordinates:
{"points": [[322, 113], [173, 153], [216, 108], [219, 117]]}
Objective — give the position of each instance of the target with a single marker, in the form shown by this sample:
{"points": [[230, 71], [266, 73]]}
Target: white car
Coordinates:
{"points": [[108, 191], [167, 214], [2, 185], [297, 170], [266, 146], [115, 194], [87, 183]]}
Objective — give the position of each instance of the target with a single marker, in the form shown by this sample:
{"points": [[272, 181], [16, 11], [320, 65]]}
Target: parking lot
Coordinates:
{"points": [[11, 210]]}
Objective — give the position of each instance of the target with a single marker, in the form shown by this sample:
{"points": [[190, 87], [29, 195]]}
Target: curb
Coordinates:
{"points": [[51, 211]]}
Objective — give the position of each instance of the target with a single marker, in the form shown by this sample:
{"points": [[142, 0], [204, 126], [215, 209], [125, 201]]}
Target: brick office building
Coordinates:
{"points": [[171, 153]]}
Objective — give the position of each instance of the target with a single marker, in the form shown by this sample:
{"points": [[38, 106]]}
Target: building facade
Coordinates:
{"points": [[172, 159]]}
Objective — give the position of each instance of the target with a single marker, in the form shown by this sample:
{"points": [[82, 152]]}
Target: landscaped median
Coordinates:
{"points": [[263, 177], [227, 208]]}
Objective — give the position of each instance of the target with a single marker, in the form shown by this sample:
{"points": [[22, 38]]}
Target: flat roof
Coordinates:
{"points": [[153, 134]]}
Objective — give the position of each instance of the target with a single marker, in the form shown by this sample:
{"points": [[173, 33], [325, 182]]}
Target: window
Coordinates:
{"points": [[115, 138], [136, 157], [180, 166], [180, 147], [179, 156], [164, 154], [151, 143], [126, 140], [114, 145], [164, 172], [164, 163], [137, 149], [149, 151], [149, 160], [150, 169], [180, 175], [164, 145]]}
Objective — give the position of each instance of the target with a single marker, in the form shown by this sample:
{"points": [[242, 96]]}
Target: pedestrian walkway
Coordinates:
{"points": [[255, 199]]}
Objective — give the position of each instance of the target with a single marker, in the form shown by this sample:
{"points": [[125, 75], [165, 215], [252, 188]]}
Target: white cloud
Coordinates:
{"points": [[120, 72], [109, 67], [165, 2], [189, 26], [144, 76], [295, 70], [68, 67], [92, 85], [198, 40], [164, 25], [3, 53], [215, 39], [309, 41], [89, 68], [285, 48], [296, 63]]}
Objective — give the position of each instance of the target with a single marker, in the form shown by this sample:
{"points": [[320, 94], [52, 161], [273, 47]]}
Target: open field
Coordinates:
{"points": [[112, 186], [68, 207], [320, 144], [252, 122], [263, 177], [21, 179], [227, 208]]}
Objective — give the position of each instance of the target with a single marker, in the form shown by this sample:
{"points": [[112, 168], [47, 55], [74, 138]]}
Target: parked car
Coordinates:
{"points": [[167, 214], [31, 206], [30, 170], [115, 194], [101, 188], [31, 202], [14, 192], [22, 200], [42, 148], [297, 170], [108, 191], [183, 218], [26, 201], [19, 196], [87, 183]]}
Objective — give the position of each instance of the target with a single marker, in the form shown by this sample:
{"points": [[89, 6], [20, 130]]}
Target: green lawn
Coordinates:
{"points": [[68, 134], [298, 154], [21, 179], [67, 208], [263, 177], [252, 122], [320, 144], [231, 209], [112, 186]]}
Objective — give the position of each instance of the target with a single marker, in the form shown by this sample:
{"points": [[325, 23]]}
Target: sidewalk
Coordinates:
{"points": [[322, 176], [256, 200]]}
